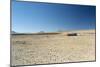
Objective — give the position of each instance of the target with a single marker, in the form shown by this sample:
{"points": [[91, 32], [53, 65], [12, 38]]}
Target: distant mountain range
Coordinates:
{"points": [[13, 32]]}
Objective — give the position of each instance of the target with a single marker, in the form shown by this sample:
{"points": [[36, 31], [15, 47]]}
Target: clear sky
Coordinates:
{"points": [[35, 17]]}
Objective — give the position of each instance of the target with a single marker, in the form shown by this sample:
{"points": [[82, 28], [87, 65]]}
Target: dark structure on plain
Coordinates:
{"points": [[72, 34]]}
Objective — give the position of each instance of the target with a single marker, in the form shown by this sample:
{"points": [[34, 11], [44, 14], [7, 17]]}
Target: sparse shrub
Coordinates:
{"points": [[21, 42]]}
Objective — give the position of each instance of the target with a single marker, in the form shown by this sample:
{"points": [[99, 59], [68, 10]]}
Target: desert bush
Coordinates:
{"points": [[21, 42]]}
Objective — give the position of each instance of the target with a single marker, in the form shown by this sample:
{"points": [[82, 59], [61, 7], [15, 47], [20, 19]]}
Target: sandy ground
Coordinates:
{"points": [[44, 49]]}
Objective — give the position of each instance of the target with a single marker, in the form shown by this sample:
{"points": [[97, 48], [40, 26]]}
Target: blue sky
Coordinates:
{"points": [[35, 17]]}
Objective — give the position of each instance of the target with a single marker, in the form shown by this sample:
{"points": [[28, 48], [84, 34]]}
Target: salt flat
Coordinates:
{"points": [[55, 48]]}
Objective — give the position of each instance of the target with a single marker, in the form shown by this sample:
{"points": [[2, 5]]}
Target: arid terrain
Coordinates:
{"points": [[48, 48]]}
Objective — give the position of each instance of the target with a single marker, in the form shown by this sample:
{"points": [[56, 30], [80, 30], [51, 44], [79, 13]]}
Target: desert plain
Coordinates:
{"points": [[48, 48]]}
